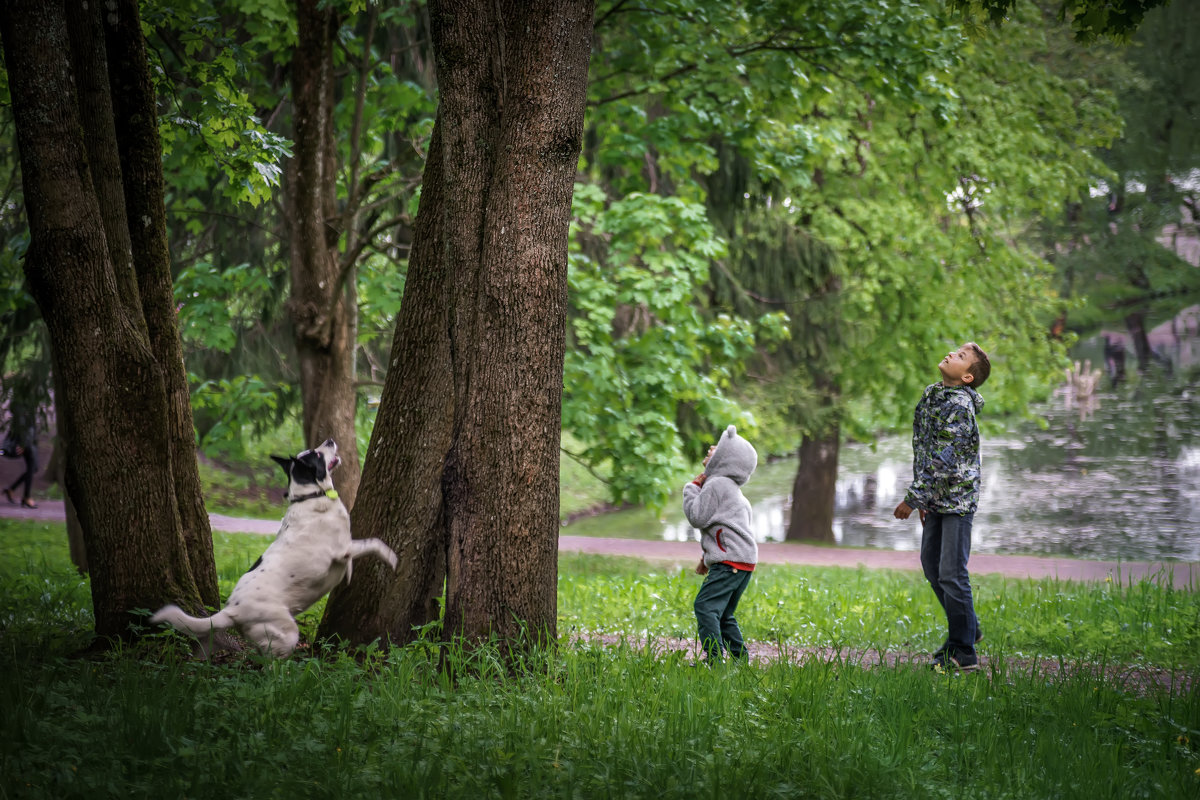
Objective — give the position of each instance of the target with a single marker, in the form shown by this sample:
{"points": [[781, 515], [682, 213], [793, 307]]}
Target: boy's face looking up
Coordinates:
{"points": [[956, 367], [711, 450]]}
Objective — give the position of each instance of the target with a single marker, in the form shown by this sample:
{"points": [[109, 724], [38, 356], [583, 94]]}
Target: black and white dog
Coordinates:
{"points": [[312, 552]]}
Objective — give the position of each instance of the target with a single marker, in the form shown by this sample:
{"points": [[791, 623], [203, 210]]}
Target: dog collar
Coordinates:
{"points": [[330, 493]]}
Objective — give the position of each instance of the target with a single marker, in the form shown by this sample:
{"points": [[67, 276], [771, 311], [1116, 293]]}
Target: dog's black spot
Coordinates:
{"points": [[254, 566], [309, 468]]}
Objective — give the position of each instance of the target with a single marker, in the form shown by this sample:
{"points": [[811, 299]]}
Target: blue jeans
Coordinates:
{"points": [[945, 548], [715, 605]]}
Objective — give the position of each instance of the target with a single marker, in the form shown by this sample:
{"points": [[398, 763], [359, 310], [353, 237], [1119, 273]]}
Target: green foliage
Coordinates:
{"points": [[1114, 250], [640, 345], [874, 173], [212, 119], [1090, 19], [234, 408]]}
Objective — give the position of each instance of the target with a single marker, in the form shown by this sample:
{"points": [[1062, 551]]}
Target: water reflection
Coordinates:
{"points": [[1115, 474]]}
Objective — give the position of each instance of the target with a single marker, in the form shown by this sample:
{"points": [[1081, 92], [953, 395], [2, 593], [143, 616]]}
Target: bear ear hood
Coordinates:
{"points": [[734, 458]]}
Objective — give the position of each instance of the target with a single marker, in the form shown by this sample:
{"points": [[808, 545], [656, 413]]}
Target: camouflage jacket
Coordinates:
{"points": [[946, 463]]}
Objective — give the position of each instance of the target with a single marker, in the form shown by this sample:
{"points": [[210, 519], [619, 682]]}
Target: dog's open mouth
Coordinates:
{"points": [[333, 462]]}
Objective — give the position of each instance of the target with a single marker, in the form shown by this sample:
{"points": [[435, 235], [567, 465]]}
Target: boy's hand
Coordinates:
{"points": [[904, 510], [702, 568], [699, 479]]}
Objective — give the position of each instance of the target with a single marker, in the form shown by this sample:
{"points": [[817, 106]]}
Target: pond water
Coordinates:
{"points": [[1113, 475]]}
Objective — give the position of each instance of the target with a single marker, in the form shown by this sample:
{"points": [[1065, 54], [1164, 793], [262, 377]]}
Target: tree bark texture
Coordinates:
{"points": [[486, 305], [323, 318], [513, 83], [112, 396], [89, 62], [136, 124], [814, 492]]}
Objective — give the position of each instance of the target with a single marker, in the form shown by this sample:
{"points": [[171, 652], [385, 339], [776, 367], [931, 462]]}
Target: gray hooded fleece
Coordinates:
{"points": [[718, 508]]}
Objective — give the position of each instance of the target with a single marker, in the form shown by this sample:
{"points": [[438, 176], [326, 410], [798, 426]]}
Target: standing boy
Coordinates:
{"points": [[945, 489], [714, 503]]}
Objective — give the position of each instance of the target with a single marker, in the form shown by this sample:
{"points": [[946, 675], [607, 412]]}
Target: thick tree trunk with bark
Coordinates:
{"points": [[89, 62], [513, 83], [111, 389], [321, 303], [136, 123], [512, 79], [814, 492]]}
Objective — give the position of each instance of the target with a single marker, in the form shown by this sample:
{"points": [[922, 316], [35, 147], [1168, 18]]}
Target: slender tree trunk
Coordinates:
{"points": [[136, 118], [112, 397], [322, 314], [490, 253], [814, 492], [401, 499], [1135, 323]]}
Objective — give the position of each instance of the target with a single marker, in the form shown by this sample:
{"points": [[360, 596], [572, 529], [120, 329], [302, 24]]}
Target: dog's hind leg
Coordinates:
{"points": [[277, 638]]}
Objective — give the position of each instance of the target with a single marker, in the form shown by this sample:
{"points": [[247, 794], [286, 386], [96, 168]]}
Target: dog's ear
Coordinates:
{"points": [[286, 463]]}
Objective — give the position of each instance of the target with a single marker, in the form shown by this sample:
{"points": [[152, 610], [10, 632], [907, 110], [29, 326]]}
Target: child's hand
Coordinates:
{"points": [[702, 568], [699, 479], [904, 510]]}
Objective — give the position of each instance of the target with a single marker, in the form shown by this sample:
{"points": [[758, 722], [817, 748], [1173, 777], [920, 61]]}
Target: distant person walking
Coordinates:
{"points": [[945, 489], [21, 442]]}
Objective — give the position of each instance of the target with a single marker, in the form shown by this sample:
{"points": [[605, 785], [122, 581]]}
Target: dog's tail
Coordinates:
{"points": [[195, 626]]}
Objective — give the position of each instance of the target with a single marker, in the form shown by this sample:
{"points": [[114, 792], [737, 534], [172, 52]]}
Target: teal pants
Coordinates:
{"points": [[715, 605]]}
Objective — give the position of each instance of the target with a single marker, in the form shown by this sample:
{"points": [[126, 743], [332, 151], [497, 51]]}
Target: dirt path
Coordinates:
{"points": [[1134, 678], [1180, 574]]}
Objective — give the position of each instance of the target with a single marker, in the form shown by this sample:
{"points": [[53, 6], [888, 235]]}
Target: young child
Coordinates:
{"points": [[945, 488], [714, 503]]}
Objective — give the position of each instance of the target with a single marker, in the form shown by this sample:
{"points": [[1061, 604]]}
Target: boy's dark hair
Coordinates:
{"points": [[981, 367]]}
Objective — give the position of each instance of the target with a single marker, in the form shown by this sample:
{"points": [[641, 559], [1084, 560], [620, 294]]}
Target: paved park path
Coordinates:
{"points": [[1181, 574]]}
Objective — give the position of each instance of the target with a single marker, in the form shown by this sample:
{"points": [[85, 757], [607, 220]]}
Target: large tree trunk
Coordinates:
{"points": [[321, 304], [136, 118], [814, 492], [111, 389], [513, 80]]}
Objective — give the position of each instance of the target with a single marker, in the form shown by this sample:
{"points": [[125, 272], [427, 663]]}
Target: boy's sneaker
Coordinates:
{"points": [[961, 663], [941, 651]]}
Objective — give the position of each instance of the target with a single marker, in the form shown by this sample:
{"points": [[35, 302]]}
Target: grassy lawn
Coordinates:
{"points": [[591, 721]]}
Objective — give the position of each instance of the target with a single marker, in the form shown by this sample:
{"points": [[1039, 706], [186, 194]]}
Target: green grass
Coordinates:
{"points": [[588, 721], [890, 611]]}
